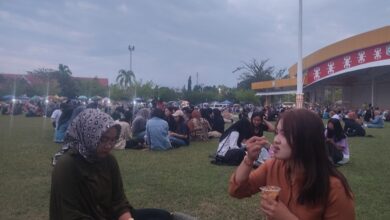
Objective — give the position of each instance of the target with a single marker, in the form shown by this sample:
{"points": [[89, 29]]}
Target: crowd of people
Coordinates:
{"points": [[297, 161], [302, 158]]}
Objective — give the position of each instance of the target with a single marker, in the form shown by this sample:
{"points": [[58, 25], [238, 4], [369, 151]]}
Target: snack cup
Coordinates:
{"points": [[270, 191]]}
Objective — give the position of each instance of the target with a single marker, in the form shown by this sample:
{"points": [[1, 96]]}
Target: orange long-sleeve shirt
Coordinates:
{"points": [[338, 207]]}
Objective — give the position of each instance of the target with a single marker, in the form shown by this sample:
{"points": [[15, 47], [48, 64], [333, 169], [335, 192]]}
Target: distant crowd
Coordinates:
{"points": [[302, 147], [163, 127]]}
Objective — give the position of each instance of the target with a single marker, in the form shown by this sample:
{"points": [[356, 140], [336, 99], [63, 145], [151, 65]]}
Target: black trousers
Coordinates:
{"points": [[151, 214]]}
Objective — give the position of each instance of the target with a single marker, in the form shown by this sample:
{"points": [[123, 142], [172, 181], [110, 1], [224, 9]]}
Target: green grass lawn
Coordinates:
{"points": [[178, 180]]}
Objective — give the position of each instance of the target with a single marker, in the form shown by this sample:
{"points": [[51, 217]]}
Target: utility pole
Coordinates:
{"points": [[131, 49], [299, 95]]}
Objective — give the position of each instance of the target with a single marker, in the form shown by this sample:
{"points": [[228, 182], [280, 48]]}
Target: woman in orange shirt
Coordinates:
{"points": [[311, 188]]}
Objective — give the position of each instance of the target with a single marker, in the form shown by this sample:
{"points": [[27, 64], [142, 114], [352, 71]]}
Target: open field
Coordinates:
{"points": [[178, 180]]}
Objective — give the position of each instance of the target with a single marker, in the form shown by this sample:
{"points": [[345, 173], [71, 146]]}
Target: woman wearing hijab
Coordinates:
{"points": [[138, 127], [86, 181], [217, 124], [231, 149], [198, 127]]}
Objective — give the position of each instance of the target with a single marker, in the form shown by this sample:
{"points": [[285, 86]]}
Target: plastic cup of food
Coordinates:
{"points": [[270, 191]]}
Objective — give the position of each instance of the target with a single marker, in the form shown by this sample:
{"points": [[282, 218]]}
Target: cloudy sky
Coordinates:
{"points": [[174, 39]]}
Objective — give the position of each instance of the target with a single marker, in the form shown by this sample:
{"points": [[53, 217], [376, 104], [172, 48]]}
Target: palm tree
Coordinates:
{"points": [[65, 79], [255, 72], [64, 69], [125, 78]]}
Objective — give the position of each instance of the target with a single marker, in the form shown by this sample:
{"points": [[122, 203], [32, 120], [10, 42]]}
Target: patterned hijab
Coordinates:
{"points": [[85, 131]]}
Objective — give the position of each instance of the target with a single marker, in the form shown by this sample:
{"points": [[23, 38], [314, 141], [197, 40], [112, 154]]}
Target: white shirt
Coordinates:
{"points": [[336, 116], [229, 142], [55, 116]]}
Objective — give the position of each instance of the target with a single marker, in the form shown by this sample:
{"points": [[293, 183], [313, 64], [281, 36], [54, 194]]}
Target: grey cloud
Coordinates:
{"points": [[175, 38]]}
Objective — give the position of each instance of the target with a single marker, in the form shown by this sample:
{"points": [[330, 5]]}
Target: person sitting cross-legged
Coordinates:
{"points": [[377, 122], [180, 136], [157, 131]]}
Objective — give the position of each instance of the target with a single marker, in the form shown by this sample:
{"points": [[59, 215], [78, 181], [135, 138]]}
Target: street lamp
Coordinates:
{"points": [[131, 49]]}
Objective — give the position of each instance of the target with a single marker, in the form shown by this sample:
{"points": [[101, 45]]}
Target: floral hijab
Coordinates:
{"points": [[84, 133]]}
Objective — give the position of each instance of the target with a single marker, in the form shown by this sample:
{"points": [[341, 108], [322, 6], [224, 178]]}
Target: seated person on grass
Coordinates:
{"points": [[310, 187], [157, 131], [231, 147], [124, 135], [352, 126], [86, 181], [198, 127], [168, 111], [335, 135], [377, 122], [138, 129], [180, 136], [217, 124], [258, 126]]}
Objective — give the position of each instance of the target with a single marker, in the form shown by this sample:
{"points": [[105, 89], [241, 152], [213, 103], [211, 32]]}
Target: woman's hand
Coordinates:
{"points": [[275, 210], [254, 145], [125, 216]]}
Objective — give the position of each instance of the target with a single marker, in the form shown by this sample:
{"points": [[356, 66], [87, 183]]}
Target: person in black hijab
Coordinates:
{"points": [[231, 149]]}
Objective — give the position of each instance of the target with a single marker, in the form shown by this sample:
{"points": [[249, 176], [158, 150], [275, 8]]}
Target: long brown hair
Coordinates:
{"points": [[304, 132]]}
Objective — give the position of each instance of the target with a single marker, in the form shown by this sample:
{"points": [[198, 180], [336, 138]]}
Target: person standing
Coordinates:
{"points": [[55, 116]]}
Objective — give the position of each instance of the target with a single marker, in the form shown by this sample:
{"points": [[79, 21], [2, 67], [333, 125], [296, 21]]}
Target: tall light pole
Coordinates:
{"points": [[299, 95], [131, 49]]}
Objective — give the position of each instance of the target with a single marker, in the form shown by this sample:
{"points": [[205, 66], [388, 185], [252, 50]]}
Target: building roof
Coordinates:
{"points": [[366, 42]]}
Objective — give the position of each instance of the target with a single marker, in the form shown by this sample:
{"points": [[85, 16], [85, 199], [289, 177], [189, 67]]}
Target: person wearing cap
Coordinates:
{"points": [[179, 137]]}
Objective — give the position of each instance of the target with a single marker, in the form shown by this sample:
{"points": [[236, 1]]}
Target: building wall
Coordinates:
{"points": [[359, 94]]}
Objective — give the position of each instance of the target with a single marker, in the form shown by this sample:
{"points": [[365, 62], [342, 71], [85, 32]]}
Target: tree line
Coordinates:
{"points": [[126, 86]]}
